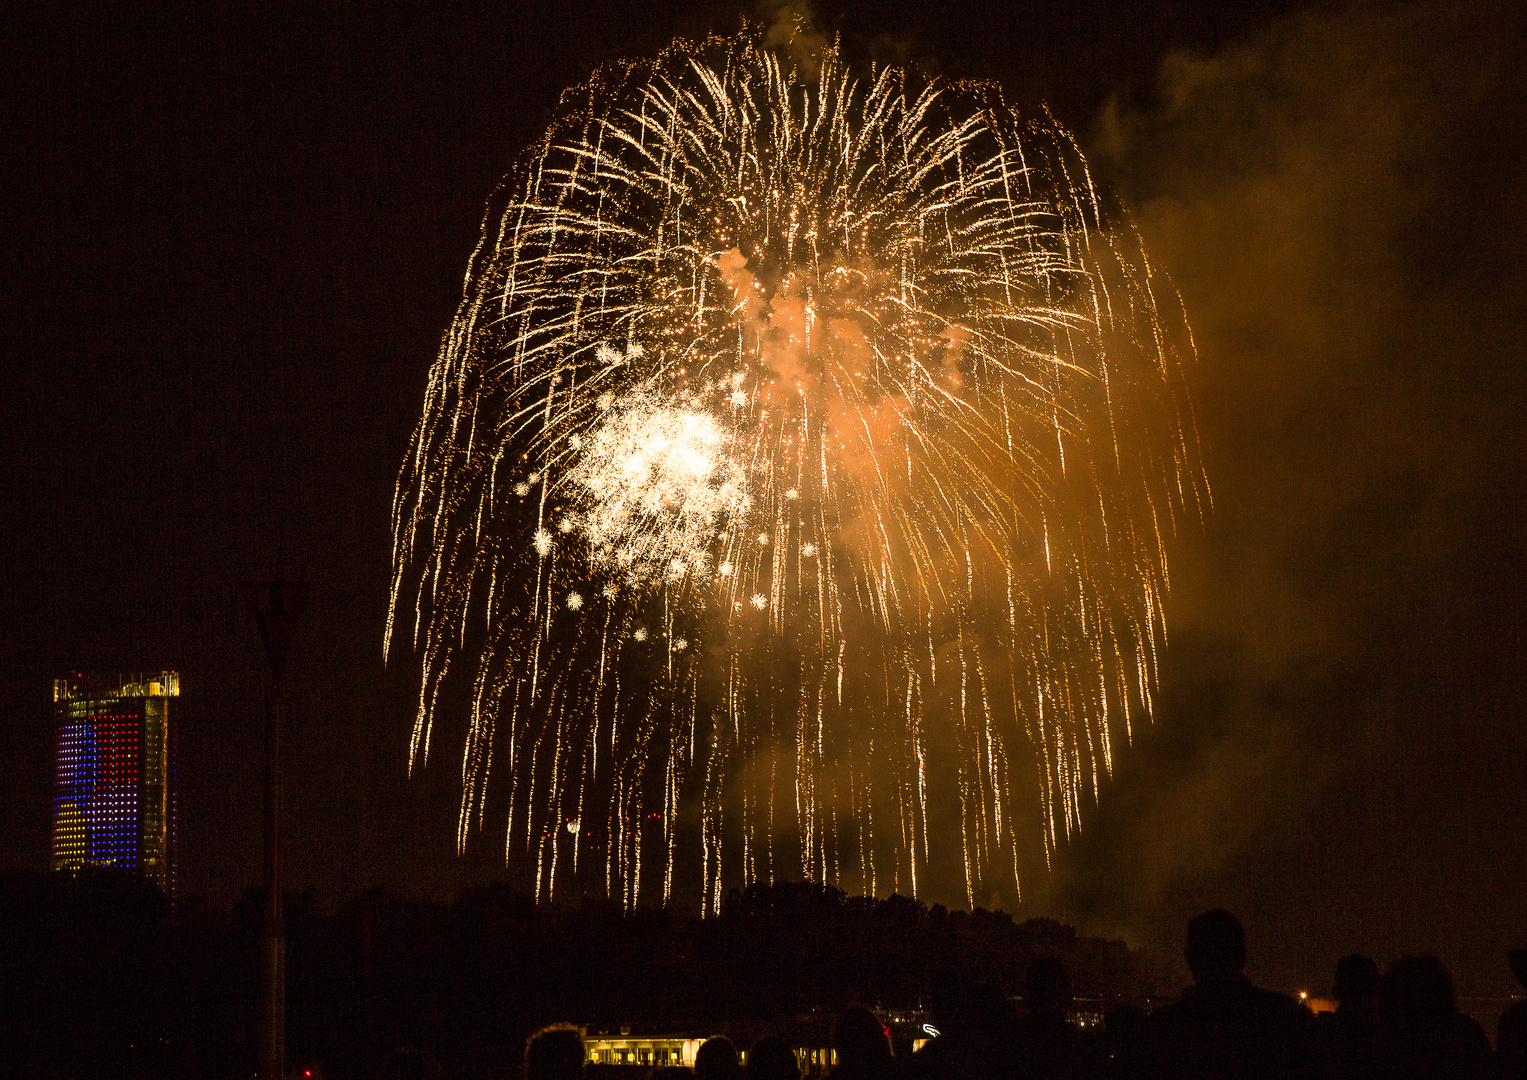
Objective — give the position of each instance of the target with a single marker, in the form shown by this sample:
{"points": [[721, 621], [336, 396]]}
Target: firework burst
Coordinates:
{"points": [[803, 448]]}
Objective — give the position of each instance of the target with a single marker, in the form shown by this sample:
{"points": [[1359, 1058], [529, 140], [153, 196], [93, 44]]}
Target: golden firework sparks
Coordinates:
{"points": [[834, 412]]}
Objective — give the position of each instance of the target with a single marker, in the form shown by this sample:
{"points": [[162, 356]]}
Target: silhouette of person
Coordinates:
{"points": [[949, 1003], [554, 1053], [863, 1046], [978, 1033], [988, 1043], [772, 1059], [1223, 1026], [1049, 1047], [717, 1060], [1511, 1032], [1350, 1035], [1125, 1031], [1425, 1036]]}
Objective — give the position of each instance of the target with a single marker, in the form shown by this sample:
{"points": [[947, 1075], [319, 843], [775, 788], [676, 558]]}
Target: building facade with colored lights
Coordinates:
{"points": [[114, 787]]}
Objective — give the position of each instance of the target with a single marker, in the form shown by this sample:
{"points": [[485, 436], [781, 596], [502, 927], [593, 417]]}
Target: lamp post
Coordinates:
{"points": [[276, 606]]}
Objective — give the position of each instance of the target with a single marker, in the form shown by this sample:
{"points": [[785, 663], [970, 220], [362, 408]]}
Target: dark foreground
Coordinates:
{"points": [[1403, 1026], [99, 977]]}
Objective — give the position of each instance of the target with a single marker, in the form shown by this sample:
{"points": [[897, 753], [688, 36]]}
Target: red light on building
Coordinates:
{"points": [[113, 803]]}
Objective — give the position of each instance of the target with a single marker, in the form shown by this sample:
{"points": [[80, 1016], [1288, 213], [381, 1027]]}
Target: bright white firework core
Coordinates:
{"points": [[657, 480]]}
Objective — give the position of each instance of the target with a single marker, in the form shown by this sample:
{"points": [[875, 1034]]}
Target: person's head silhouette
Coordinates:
{"points": [[1417, 991], [1047, 988], [717, 1060], [1357, 979], [772, 1059], [950, 1002], [554, 1053], [861, 1042], [1216, 945], [1517, 958]]}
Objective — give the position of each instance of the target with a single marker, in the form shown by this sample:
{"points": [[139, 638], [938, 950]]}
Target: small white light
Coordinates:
{"points": [[759, 601], [574, 601]]}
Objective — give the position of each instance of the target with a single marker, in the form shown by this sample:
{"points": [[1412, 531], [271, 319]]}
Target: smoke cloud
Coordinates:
{"points": [[1340, 201], [792, 27]]}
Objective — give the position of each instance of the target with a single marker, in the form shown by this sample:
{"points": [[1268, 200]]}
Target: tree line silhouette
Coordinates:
{"points": [[99, 976]]}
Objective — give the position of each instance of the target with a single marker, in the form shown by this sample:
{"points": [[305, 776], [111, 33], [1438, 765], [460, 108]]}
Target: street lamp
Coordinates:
{"points": [[276, 606]]}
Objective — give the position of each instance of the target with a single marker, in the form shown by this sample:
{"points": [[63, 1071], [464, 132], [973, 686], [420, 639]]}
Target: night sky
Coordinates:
{"points": [[234, 238]]}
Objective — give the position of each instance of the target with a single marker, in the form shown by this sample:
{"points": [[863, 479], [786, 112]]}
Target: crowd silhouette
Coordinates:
{"points": [[1405, 1025], [102, 979]]}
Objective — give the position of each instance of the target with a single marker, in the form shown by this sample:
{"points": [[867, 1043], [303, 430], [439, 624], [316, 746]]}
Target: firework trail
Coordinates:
{"points": [[801, 455]]}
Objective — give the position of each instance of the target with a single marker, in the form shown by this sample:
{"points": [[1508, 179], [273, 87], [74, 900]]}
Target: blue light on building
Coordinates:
{"points": [[113, 803]]}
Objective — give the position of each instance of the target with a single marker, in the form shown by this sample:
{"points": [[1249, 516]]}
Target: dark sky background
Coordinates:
{"points": [[234, 237]]}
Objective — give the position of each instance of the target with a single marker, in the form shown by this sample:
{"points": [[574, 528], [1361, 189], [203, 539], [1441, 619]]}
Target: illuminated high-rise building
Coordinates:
{"points": [[113, 795]]}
